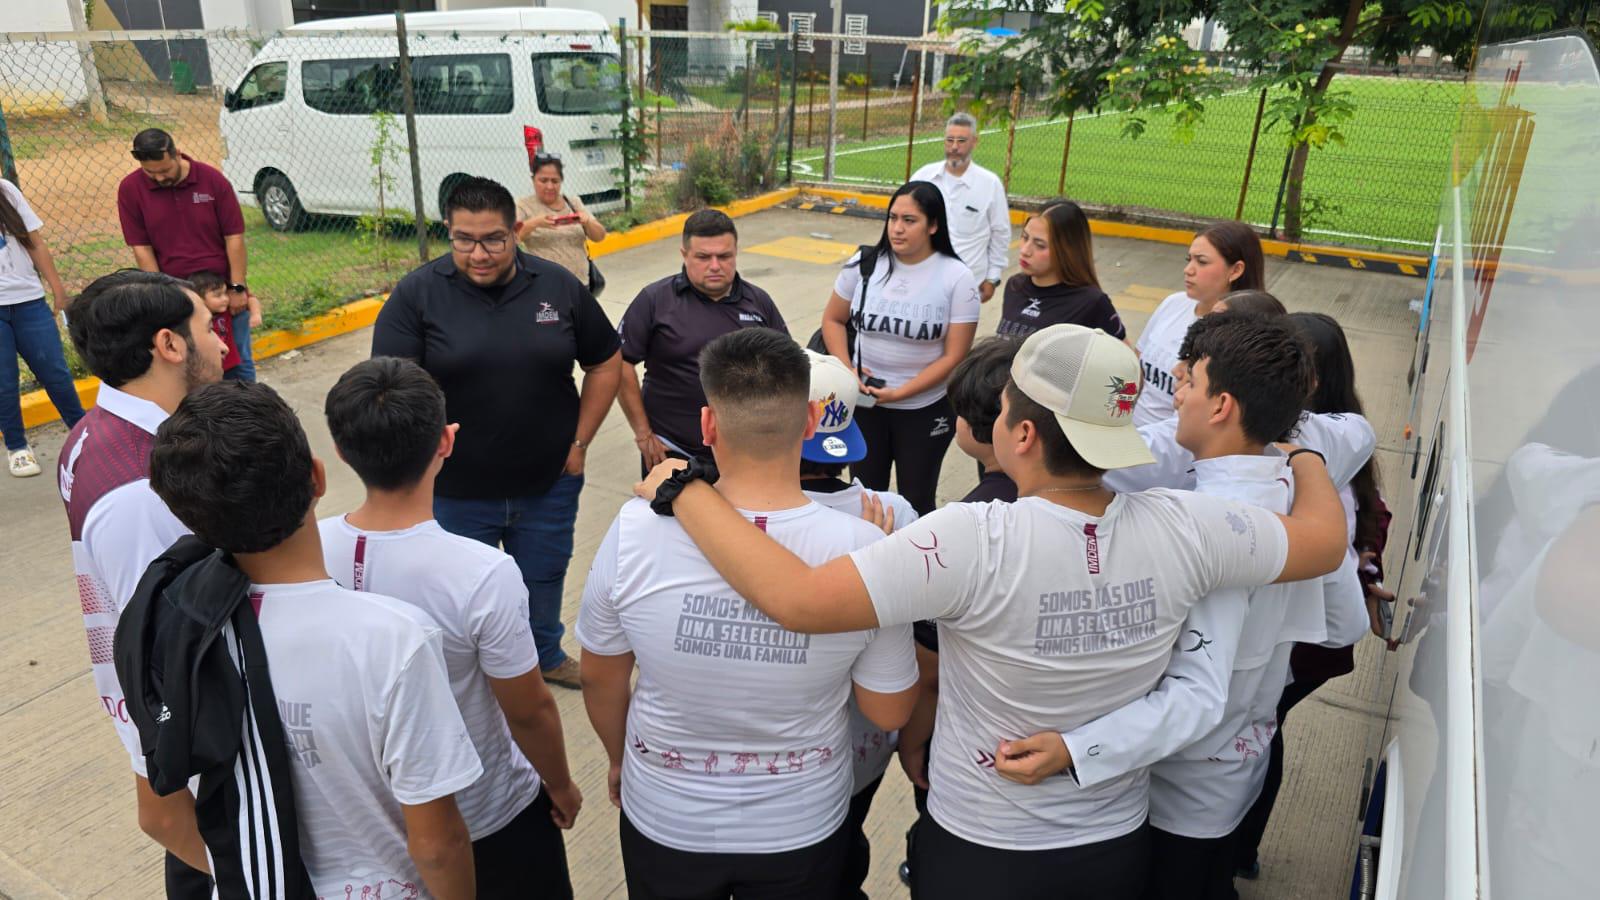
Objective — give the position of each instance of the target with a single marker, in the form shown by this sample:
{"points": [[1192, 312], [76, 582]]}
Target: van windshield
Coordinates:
{"points": [[571, 84]]}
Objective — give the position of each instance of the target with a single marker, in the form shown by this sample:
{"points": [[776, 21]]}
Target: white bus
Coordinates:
{"points": [[1490, 753], [300, 126]]}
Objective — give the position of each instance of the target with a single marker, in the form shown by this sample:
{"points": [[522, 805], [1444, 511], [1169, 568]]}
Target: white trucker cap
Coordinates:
{"points": [[1091, 381], [838, 438]]}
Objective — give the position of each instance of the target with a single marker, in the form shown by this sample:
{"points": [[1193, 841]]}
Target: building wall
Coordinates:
{"points": [[884, 18], [39, 77]]}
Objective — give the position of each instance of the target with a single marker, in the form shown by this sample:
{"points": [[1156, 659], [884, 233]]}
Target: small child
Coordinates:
{"points": [[974, 392], [213, 291]]}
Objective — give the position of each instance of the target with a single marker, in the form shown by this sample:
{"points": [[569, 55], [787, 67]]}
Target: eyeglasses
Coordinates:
{"points": [[460, 243], [546, 157]]}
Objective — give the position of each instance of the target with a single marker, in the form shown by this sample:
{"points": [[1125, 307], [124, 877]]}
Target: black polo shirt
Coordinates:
{"points": [[665, 328], [1026, 308], [505, 364]]}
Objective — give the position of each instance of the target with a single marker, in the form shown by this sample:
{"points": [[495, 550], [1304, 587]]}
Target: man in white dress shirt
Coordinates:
{"points": [[974, 201]]}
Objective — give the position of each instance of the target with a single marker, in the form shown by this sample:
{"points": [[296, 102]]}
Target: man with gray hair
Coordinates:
{"points": [[974, 201]]}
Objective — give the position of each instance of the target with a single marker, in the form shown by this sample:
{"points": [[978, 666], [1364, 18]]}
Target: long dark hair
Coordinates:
{"points": [[1071, 247], [1237, 242], [928, 199], [1336, 393], [11, 221]]}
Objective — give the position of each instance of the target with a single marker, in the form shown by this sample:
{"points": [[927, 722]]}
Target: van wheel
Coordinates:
{"points": [[279, 204]]}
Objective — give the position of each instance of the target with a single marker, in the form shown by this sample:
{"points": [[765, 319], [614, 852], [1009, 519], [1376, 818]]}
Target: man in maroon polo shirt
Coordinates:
{"points": [[180, 217]]}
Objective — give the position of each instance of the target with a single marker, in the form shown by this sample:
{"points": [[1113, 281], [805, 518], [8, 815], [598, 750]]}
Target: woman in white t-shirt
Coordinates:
{"points": [[914, 320], [27, 326], [1224, 258]]}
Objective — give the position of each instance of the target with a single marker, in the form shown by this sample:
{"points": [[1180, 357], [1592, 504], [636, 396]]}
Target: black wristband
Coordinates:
{"points": [[700, 468], [1315, 453]]}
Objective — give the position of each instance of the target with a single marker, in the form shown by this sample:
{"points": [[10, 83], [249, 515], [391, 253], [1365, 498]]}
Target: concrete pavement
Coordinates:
{"points": [[67, 824]]}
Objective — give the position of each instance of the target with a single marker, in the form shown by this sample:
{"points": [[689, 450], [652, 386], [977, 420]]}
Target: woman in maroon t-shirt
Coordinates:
{"points": [[1057, 284]]}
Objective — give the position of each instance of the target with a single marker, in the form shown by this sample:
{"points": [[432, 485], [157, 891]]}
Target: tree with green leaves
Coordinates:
{"points": [[1130, 55]]}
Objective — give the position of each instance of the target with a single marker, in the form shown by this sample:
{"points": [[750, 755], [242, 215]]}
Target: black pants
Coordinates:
{"points": [[1247, 837], [657, 872], [858, 858], [946, 866], [526, 858], [1187, 868], [185, 882], [913, 442]]}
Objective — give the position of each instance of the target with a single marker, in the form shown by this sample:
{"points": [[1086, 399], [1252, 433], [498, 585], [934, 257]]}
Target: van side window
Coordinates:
{"points": [[464, 85], [571, 84], [264, 86], [351, 87]]}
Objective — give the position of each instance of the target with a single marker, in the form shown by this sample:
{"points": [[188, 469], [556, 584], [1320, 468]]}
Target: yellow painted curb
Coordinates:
{"points": [[672, 226], [1160, 234], [37, 408]]}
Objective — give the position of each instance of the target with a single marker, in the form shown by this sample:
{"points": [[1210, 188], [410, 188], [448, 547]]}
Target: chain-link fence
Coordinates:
{"points": [[313, 128]]}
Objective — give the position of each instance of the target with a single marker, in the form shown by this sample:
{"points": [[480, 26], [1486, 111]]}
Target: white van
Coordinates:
{"points": [[299, 128]]}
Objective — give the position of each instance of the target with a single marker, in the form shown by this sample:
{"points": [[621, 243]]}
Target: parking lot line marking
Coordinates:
{"points": [[806, 249]]}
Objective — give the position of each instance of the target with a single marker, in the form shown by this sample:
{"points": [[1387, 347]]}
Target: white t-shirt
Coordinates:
{"points": [[19, 281], [476, 595], [907, 316], [979, 215], [371, 724], [871, 747], [1158, 353], [737, 735], [1050, 618], [118, 526]]}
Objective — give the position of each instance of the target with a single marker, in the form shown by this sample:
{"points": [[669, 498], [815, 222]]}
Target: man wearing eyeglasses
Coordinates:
{"points": [[181, 216], [500, 330]]}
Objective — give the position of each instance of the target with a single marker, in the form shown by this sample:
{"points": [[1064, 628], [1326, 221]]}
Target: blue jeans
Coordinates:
{"points": [[536, 530], [246, 369], [29, 329]]}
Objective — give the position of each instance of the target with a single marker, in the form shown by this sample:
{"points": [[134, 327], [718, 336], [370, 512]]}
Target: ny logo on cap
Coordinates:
{"points": [[834, 413]]}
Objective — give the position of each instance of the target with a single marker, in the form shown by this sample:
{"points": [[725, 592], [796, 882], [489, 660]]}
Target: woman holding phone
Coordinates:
{"points": [[914, 320], [553, 227]]}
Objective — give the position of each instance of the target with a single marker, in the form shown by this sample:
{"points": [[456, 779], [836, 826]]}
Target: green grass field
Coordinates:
{"points": [[1381, 188]]}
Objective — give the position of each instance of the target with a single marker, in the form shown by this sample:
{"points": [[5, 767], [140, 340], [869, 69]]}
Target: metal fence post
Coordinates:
{"points": [[866, 93], [627, 147], [911, 132], [811, 97], [8, 161], [1011, 133], [1066, 151], [833, 92], [794, 97], [1250, 158], [408, 96]]}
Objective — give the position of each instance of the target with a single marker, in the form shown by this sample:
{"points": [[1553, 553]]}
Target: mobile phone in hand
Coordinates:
{"points": [[570, 219], [873, 381]]}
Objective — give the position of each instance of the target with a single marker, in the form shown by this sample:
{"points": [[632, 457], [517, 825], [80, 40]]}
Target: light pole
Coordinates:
{"points": [[833, 89]]}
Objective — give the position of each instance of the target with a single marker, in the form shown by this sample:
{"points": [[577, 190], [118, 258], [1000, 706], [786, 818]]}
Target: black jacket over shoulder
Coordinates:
{"points": [[192, 664]]}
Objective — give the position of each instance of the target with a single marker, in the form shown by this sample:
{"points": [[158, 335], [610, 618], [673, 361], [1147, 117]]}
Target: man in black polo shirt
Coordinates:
{"points": [[668, 323], [499, 330]]}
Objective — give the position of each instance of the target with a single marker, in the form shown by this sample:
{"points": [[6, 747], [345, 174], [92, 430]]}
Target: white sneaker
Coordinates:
{"points": [[23, 465]]}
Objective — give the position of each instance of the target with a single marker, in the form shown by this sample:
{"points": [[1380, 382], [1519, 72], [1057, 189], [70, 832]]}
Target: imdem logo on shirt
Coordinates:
{"points": [[1032, 309], [546, 315]]}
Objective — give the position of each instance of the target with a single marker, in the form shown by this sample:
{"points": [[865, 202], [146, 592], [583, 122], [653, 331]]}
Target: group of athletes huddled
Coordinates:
{"points": [[1082, 666]]}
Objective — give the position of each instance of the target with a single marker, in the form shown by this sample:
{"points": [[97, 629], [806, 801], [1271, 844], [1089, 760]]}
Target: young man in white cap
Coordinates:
{"points": [[1053, 611], [837, 443], [731, 759], [1204, 731]]}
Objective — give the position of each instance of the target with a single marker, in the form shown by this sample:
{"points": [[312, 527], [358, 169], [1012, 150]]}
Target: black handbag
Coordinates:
{"points": [[597, 282]]}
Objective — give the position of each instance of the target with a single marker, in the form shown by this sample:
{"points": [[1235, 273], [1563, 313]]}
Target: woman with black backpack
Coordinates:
{"points": [[902, 315]]}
